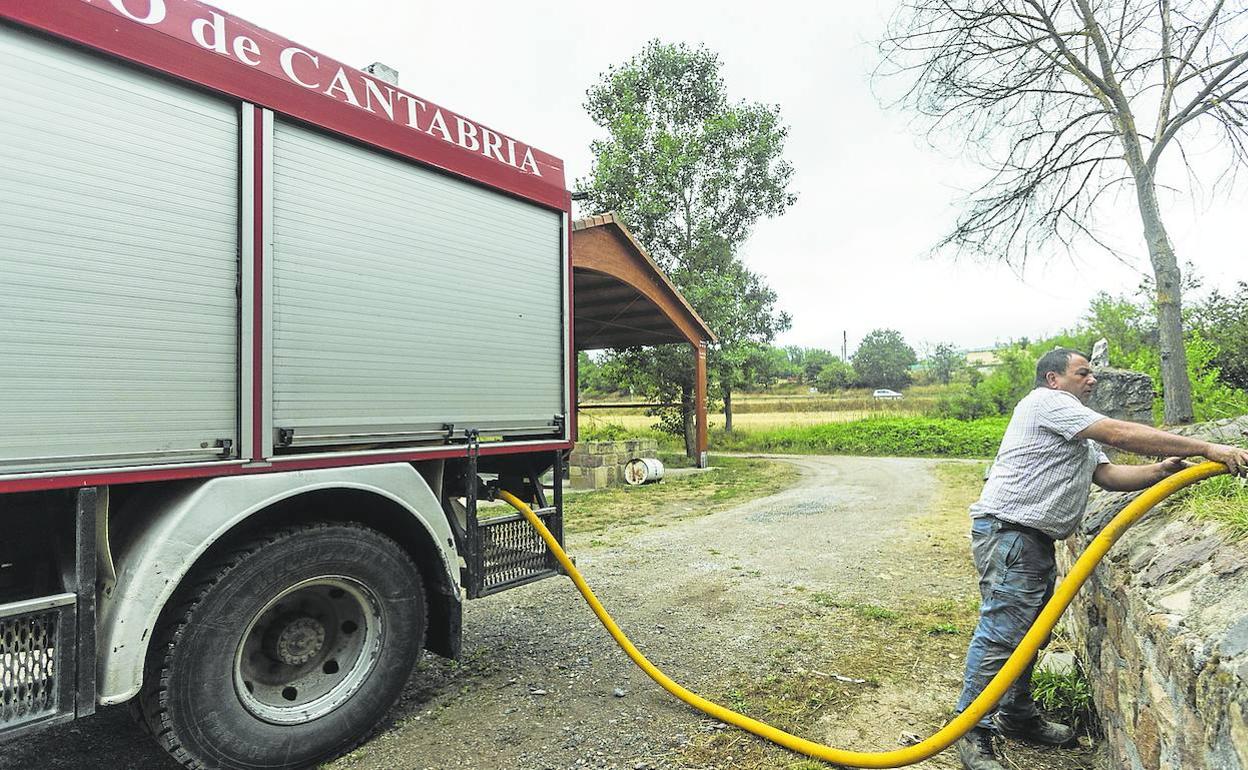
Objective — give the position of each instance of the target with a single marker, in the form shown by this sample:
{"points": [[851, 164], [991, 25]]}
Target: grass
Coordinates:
{"points": [[877, 436], [730, 482], [883, 436], [849, 422], [747, 422], [1065, 697], [1223, 499]]}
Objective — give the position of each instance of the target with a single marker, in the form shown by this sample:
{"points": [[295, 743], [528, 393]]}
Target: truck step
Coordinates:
{"points": [[511, 553], [36, 663]]}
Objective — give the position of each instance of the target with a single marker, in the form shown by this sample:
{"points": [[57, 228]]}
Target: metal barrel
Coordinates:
{"points": [[643, 470]]}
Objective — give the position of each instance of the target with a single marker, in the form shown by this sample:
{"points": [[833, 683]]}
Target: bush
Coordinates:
{"points": [[882, 436], [966, 403]]}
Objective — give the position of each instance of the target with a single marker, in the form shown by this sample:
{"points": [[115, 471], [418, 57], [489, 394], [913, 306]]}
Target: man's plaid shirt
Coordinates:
{"points": [[1043, 474]]}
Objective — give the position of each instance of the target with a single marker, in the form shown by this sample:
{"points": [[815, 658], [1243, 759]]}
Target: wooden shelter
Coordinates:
{"points": [[621, 299]]}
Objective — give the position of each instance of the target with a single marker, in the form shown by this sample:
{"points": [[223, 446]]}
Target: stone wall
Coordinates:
{"points": [[1123, 394], [1162, 630], [597, 464]]}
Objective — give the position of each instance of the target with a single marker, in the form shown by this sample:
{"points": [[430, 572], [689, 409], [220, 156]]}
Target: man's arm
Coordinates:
{"points": [[1129, 478], [1141, 439]]}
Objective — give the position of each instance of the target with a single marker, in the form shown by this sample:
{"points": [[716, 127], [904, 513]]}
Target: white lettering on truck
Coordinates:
{"points": [[155, 11], [216, 32], [288, 65]]}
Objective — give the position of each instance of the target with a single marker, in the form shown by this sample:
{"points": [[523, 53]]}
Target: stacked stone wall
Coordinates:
{"points": [[598, 464], [1162, 631]]}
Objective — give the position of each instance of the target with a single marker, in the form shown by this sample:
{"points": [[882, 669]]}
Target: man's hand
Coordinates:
{"points": [[1234, 458], [1172, 465]]}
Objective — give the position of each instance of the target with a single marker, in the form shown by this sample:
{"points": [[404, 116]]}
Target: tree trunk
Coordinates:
{"points": [[689, 422], [1174, 380], [727, 410]]}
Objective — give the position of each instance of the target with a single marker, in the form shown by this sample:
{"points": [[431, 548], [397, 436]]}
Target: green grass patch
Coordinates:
{"points": [[880, 436], [946, 616], [730, 482], [1065, 697], [1223, 499]]}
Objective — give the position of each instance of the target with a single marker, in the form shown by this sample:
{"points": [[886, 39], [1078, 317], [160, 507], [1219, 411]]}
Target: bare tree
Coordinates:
{"points": [[1068, 102]]}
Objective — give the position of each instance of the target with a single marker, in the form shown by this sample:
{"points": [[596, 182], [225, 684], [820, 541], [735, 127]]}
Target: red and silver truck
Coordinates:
{"points": [[269, 327]]}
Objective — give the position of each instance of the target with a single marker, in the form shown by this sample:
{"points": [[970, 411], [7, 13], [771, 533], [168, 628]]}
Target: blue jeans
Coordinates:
{"points": [[1017, 571]]}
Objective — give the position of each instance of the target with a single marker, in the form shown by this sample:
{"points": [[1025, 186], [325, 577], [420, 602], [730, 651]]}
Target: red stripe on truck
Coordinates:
{"points": [[196, 42], [72, 480]]}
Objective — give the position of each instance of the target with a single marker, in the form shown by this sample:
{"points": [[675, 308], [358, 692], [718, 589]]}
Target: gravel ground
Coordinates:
{"points": [[709, 599]]}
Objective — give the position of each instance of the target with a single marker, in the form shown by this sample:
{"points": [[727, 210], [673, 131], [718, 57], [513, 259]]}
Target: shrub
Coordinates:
{"points": [[966, 403], [883, 436]]}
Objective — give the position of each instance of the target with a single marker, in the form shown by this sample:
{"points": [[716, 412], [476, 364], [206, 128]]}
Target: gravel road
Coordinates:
{"points": [[541, 684]]}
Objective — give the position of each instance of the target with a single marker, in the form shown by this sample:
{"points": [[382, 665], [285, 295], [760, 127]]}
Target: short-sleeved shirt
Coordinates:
{"points": [[1043, 474]]}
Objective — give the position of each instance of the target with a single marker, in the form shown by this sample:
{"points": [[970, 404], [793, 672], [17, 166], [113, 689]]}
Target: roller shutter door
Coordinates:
{"points": [[405, 299], [118, 263]]}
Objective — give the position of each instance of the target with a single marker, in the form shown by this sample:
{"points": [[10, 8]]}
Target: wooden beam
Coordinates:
{"points": [[699, 353]]}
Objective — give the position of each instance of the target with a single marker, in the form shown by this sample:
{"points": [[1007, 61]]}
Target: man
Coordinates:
{"points": [[1034, 496]]}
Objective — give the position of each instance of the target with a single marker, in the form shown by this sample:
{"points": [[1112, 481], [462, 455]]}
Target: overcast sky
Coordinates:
{"points": [[852, 254]]}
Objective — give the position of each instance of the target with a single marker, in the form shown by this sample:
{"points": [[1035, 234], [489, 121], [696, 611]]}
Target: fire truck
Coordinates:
{"points": [[270, 327]]}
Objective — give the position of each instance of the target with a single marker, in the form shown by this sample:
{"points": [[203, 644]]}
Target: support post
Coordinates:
{"points": [[699, 353]]}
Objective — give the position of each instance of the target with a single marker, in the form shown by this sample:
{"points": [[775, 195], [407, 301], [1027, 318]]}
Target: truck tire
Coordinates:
{"points": [[286, 650]]}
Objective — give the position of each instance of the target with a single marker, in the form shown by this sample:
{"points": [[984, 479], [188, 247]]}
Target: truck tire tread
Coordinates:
{"points": [[153, 703]]}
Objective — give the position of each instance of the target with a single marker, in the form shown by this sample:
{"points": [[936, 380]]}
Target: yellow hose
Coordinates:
{"points": [[943, 738]]}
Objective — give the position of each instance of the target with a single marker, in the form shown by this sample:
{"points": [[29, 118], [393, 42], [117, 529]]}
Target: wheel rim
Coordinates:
{"points": [[308, 650]]}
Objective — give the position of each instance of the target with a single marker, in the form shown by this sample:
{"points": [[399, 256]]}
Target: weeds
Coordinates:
{"points": [[1223, 499], [1066, 697]]}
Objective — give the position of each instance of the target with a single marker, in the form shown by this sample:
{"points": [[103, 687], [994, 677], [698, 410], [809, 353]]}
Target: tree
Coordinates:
{"points": [[690, 173], [944, 362], [834, 375], [813, 362], [1223, 320], [883, 360], [740, 308], [766, 365], [1068, 101]]}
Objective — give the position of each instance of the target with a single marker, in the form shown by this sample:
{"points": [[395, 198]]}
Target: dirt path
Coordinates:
{"points": [[763, 606]]}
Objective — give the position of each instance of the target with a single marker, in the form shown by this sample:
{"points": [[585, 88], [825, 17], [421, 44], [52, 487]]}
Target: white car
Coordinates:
{"points": [[885, 393]]}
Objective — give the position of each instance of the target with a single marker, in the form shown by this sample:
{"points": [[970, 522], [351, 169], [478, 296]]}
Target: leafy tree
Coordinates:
{"points": [[813, 363], [681, 163], [797, 356], [1129, 327], [834, 375], [766, 365], [598, 377], [1068, 102], [740, 308], [944, 362], [691, 172], [1223, 321], [883, 360]]}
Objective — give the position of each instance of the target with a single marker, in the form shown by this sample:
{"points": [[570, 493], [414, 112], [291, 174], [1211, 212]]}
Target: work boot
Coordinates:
{"points": [[976, 751], [1036, 730]]}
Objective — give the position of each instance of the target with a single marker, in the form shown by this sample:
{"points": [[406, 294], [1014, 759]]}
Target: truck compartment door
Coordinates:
{"points": [[406, 301], [119, 237]]}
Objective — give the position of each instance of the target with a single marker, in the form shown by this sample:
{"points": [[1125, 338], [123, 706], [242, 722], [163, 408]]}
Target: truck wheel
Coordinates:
{"points": [[286, 651]]}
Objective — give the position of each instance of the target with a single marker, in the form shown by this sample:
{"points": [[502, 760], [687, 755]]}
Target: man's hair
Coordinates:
{"points": [[1056, 361]]}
